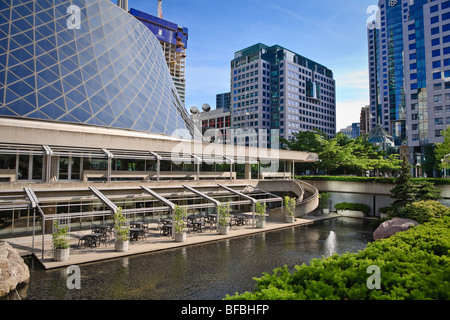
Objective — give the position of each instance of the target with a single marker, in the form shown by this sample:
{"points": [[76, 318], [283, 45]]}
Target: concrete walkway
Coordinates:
{"points": [[154, 242]]}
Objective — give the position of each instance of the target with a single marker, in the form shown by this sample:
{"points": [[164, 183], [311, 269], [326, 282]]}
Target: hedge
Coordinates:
{"points": [[436, 181], [414, 265], [353, 207]]}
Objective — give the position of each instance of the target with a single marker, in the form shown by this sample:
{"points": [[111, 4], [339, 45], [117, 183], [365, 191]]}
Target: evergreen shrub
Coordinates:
{"points": [[414, 265]]}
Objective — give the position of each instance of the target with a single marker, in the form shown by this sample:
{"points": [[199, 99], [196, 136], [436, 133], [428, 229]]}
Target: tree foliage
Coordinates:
{"points": [[443, 149], [342, 155]]}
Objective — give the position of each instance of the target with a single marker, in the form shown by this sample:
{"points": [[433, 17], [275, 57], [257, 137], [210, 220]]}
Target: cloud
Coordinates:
{"points": [[353, 80], [348, 112]]}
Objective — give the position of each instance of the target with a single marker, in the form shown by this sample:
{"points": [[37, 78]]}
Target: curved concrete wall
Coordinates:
{"points": [[300, 188]]}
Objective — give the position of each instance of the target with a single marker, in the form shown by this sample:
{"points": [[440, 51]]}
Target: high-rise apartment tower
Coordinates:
{"points": [[409, 67], [173, 39]]}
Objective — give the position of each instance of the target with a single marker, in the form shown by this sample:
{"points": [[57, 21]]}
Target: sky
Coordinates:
{"points": [[330, 32]]}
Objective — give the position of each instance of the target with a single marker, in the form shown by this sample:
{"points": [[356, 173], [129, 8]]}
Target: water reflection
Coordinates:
{"points": [[203, 272], [330, 244]]}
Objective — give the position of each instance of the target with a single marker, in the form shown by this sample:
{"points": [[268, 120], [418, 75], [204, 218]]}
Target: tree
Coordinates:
{"points": [[341, 155], [430, 163], [443, 149], [311, 141], [404, 190], [426, 191]]}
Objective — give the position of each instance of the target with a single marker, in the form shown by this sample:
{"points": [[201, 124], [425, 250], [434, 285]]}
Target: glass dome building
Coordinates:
{"points": [[85, 62]]}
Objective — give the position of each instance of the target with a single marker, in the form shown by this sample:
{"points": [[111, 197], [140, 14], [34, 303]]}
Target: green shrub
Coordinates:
{"points": [[421, 211], [435, 181], [60, 236], [180, 215], [289, 204], [121, 226], [414, 265], [353, 207], [224, 214]]}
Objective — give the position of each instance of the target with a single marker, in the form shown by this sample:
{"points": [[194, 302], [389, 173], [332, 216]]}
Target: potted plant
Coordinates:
{"points": [[61, 242], [122, 231], [224, 218], [324, 199], [260, 209], [289, 204], [180, 224]]}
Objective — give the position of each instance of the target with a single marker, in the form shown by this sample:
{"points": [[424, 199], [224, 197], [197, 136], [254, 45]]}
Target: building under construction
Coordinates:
{"points": [[173, 40]]}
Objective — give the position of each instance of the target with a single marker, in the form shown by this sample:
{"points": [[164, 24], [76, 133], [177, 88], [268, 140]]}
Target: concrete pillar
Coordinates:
{"points": [[248, 171]]}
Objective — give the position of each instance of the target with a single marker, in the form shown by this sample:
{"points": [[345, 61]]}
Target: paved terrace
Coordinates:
{"points": [[154, 242]]}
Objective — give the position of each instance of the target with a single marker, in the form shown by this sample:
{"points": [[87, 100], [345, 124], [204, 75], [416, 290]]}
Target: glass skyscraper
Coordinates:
{"points": [[409, 67], [86, 62]]}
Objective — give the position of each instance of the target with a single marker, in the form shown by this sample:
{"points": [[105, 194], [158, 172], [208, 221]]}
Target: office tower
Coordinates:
{"points": [[353, 131], [273, 88], [365, 120], [123, 4], [173, 39], [409, 61], [223, 101]]}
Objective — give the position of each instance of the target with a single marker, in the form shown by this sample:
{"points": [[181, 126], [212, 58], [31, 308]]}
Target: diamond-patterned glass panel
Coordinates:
{"points": [[111, 72]]}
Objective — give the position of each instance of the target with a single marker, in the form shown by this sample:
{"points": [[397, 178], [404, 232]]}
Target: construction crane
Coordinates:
{"points": [[160, 14]]}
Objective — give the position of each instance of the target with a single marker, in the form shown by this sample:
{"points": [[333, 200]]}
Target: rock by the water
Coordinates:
{"points": [[13, 270], [391, 227]]}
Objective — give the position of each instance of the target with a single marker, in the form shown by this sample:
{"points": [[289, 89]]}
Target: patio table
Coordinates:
{"points": [[166, 229], [136, 233], [93, 239]]}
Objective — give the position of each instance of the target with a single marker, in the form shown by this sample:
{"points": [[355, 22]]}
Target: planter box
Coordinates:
{"points": [[349, 213], [290, 219], [180, 237], [224, 230], [122, 246], [61, 254], [325, 211], [260, 224]]}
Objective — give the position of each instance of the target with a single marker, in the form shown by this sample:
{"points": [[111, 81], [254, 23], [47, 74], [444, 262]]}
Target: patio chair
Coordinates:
{"points": [[81, 238]]}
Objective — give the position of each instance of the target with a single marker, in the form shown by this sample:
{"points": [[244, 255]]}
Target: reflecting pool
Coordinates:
{"points": [[201, 272]]}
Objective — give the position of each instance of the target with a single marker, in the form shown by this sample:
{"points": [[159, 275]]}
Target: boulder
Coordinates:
{"points": [[391, 227], [13, 270]]}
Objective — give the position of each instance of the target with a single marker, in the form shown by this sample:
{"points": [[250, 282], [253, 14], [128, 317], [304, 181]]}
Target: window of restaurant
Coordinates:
{"points": [[29, 167], [69, 167], [95, 164], [128, 165], [23, 171]]}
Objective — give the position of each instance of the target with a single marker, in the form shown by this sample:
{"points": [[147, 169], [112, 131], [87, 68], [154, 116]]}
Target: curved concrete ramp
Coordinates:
{"points": [[307, 194]]}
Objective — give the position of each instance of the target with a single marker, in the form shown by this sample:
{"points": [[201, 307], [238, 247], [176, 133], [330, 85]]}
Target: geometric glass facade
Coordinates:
{"points": [[386, 70], [86, 62]]}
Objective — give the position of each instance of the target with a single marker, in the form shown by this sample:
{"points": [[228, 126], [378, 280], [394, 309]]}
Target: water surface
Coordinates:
{"points": [[201, 272]]}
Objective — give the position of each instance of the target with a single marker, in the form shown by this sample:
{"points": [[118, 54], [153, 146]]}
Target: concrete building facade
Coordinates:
{"points": [[275, 89]]}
